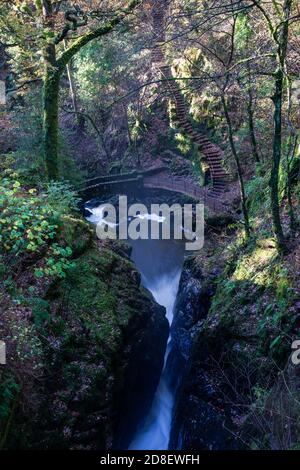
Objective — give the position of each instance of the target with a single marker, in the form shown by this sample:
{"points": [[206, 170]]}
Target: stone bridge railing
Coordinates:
{"points": [[155, 178]]}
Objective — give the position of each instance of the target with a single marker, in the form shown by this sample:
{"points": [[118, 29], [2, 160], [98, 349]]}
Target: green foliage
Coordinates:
{"points": [[8, 391], [257, 190], [256, 281], [40, 309], [244, 31], [184, 144], [61, 197], [57, 262], [26, 224], [29, 224]]}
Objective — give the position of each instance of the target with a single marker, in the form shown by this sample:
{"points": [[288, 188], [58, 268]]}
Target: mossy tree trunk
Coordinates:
{"points": [[277, 141], [238, 166], [280, 35], [50, 95], [293, 221], [290, 161], [50, 99]]}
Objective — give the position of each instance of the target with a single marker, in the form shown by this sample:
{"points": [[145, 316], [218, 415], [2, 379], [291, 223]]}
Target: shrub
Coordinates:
{"points": [[29, 223]]}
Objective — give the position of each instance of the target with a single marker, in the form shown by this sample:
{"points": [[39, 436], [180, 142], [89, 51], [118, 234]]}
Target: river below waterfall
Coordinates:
{"points": [[160, 264]]}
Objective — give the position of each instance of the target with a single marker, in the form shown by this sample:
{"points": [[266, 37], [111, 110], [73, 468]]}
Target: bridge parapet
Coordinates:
{"points": [[155, 178]]}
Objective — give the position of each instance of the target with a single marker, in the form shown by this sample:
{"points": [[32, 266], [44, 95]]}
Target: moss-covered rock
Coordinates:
{"points": [[101, 349], [240, 324]]}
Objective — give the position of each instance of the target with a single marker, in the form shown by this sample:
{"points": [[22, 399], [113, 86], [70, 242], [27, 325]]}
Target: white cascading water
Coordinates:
{"points": [[160, 264], [155, 432]]}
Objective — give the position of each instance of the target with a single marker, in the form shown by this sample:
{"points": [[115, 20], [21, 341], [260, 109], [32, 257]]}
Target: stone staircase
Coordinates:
{"points": [[211, 152]]}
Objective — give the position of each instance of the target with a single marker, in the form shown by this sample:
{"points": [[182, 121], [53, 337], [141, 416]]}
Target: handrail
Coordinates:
{"points": [[179, 184], [124, 176], [170, 183]]}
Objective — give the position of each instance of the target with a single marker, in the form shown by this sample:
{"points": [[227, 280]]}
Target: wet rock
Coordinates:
{"points": [[190, 310], [200, 420]]}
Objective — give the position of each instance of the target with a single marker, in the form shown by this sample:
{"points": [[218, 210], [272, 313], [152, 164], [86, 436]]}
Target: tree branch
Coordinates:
{"points": [[67, 55]]}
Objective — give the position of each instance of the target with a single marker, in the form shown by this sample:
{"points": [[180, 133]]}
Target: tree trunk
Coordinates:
{"points": [[50, 97], [72, 88], [290, 160], [293, 140], [251, 126], [50, 105], [239, 169], [281, 39], [78, 112], [51, 92], [277, 100]]}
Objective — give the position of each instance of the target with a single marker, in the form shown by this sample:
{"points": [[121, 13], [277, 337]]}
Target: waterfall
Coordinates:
{"points": [[154, 434], [160, 264]]}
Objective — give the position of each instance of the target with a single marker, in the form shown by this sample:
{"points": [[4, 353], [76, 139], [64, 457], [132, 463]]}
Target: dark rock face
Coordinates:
{"points": [[143, 368], [204, 432], [190, 311], [198, 419]]}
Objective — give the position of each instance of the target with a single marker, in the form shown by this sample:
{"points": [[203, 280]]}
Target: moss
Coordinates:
{"points": [[76, 233], [96, 294], [244, 298], [251, 320]]}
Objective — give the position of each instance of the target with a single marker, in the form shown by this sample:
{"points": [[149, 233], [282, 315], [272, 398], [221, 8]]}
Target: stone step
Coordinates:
{"points": [[187, 125], [213, 176], [218, 170], [210, 148], [218, 176], [223, 181], [210, 152], [218, 191]]}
